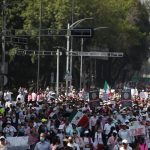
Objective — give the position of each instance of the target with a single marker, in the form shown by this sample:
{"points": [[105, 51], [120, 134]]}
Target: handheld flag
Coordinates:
{"points": [[106, 87]]}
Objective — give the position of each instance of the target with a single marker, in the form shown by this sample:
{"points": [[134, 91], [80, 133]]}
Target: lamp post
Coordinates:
{"points": [[69, 27]]}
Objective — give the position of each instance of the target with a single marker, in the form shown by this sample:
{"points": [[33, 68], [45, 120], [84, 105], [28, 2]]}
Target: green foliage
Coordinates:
{"points": [[127, 22], [12, 53]]}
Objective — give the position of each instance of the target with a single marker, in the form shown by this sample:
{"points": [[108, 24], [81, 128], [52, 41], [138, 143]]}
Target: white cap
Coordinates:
{"points": [[125, 141], [2, 137], [127, 121], [8, 122], [86, 132], [114, 131]]}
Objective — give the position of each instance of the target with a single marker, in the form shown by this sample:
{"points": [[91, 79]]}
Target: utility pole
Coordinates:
{"points": [[3, 42], [57, 76], [38, 65], [67, 53], [71, 49], [81, 65]]}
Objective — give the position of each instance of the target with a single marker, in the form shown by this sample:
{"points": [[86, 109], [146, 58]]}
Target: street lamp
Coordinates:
{"points": [[69, 27]]}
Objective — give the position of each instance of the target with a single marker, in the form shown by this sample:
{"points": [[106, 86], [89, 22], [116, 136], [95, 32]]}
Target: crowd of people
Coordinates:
{"points": [[47, 121]]}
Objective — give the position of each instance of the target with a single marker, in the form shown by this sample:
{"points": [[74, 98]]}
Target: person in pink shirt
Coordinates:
{"points": [[142, 145], [29, 97], [112, 140]]}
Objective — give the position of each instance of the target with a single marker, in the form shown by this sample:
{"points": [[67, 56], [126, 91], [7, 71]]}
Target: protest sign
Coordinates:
{"points": [[137, 130], [94, 95], [143, 95], [94, 98], [17, 141], [105, 97], [126, 98]]}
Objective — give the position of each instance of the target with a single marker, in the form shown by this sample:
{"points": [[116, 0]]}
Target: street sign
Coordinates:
{"points": [[33, 52], [99, 54], [82, 32]]}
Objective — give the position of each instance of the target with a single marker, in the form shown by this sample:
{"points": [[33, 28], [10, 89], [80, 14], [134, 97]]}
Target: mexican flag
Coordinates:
{"points": [[79, 119], [106, 87]]}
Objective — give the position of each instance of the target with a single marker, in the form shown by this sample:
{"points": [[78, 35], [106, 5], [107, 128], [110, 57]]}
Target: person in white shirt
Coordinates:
{"points": [[123, 117], [125, 145], [9, 130], [87, 140], [92, 124], [20, 98], [34, 96], [7, 95], [107, 129], [73, 144], [98, 142], [3, 143], [118, 145], [8, 103], [124, 133], [78, 139]]}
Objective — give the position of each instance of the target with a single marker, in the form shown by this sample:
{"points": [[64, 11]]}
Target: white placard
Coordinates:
{"points": [[17, 141]]}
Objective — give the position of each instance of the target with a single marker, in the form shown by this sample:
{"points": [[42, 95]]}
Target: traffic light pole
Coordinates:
{"points": [[67, 53], [81, 65]]}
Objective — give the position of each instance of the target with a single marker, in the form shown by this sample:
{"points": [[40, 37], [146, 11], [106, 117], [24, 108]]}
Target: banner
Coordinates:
{"points": [[137, 130]]}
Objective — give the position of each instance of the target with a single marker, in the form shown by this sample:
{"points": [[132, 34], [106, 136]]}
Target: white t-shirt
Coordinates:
{"points": [[21, 98], [93, 121], [124, 134], [86, 142], [107, 128], [98, 138], [128, 148], [34, 96], [9, 131]]}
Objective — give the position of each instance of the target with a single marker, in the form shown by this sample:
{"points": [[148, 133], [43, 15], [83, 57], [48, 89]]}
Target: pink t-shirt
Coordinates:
{"points": [[143, 147], [29, 97]]}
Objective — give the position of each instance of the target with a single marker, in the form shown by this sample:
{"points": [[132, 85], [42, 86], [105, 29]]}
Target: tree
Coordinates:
{"points": [[127, 23]]}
